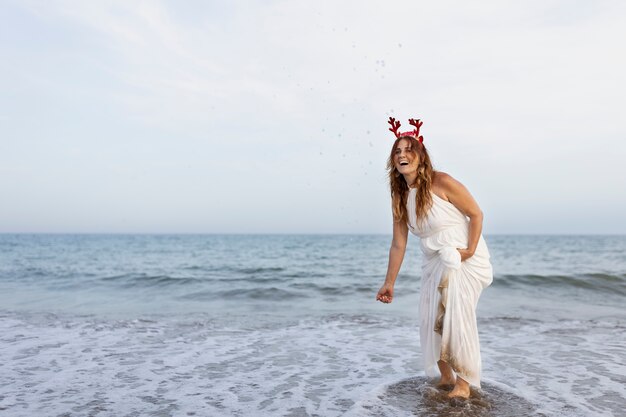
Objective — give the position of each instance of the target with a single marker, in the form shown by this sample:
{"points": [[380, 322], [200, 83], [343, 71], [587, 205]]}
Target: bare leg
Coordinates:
{"points": [[461, 389], [447, 374]]}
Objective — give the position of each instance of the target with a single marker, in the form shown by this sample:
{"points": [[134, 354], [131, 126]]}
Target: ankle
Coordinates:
{"points": [[461, 385]]}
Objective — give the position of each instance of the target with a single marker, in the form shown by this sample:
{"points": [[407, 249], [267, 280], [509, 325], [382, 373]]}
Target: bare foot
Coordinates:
{"points": [[459, 393], [461, 389]]}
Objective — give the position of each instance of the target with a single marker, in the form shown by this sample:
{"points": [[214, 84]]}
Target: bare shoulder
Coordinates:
{"points": [[441, 178], [445, 185], [456, 193]]}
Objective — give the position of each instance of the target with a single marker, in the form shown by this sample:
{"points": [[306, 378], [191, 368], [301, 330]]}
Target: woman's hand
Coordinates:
{"points": [[465, 254], [385, 294]]}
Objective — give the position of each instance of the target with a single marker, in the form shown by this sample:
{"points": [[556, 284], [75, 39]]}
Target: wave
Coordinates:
{"points": [[147, 280], [271, 294], [230, 269], [255, 276], [314, 284], [598, 282], [346, 289]]}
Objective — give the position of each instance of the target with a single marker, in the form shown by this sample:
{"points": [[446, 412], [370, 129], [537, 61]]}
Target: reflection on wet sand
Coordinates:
{"points": [[420, 396]]}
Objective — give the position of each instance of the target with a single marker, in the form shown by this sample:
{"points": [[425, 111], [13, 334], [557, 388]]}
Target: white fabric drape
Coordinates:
{"points": [[450, 289]]}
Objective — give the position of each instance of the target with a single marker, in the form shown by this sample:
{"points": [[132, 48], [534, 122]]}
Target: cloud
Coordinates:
{"points": [[290, 87], [292, 56]]}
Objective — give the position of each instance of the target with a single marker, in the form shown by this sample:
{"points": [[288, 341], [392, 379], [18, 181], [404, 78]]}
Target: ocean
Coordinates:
{"points": [[288, 325]]}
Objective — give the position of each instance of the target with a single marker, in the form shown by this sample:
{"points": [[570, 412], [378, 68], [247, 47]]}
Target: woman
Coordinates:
{"points": [[456, 267]]}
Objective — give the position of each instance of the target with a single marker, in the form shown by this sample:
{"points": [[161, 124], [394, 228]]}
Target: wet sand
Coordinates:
{"points": [[419, 396]]}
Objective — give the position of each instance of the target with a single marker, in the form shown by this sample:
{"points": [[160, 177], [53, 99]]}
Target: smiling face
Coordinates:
{"points": [[405, 159], [409, 166]]}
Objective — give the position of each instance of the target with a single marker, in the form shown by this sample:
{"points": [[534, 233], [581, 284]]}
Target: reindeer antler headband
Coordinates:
{"points": [[414, 133]]}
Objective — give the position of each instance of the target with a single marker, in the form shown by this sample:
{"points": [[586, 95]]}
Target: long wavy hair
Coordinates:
{"points": [[423, 182]]}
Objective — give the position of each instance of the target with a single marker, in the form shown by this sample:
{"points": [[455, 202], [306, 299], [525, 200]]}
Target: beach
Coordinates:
{"points": [[269, 325]]}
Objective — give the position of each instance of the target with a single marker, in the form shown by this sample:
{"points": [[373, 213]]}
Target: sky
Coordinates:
{"points": [[271, 116]]}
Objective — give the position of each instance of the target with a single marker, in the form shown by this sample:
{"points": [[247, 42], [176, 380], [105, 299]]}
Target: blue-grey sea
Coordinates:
{"points": [[288, 325]]}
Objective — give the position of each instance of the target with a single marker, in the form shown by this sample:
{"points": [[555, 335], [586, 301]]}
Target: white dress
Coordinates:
{"points": [[450, 289]]}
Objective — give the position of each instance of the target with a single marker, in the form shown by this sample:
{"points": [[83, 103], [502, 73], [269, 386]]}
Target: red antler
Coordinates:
{"points": [[417, 123], [394, 126]]}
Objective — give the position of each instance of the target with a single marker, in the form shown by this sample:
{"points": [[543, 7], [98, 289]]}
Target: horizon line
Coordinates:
{"points": [[285, 234]]}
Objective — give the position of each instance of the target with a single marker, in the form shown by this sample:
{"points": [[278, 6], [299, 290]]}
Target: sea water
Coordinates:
{"points": [[288, 325]]}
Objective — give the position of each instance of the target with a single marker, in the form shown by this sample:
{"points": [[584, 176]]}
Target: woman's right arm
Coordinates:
{"points": [[396, 255]]}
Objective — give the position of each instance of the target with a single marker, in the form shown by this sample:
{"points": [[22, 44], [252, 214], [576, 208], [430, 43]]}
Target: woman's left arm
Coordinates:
{"points": [[463, 200]]}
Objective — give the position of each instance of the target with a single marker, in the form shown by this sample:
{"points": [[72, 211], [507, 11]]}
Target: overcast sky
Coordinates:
{"points": [[270, 116]]}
